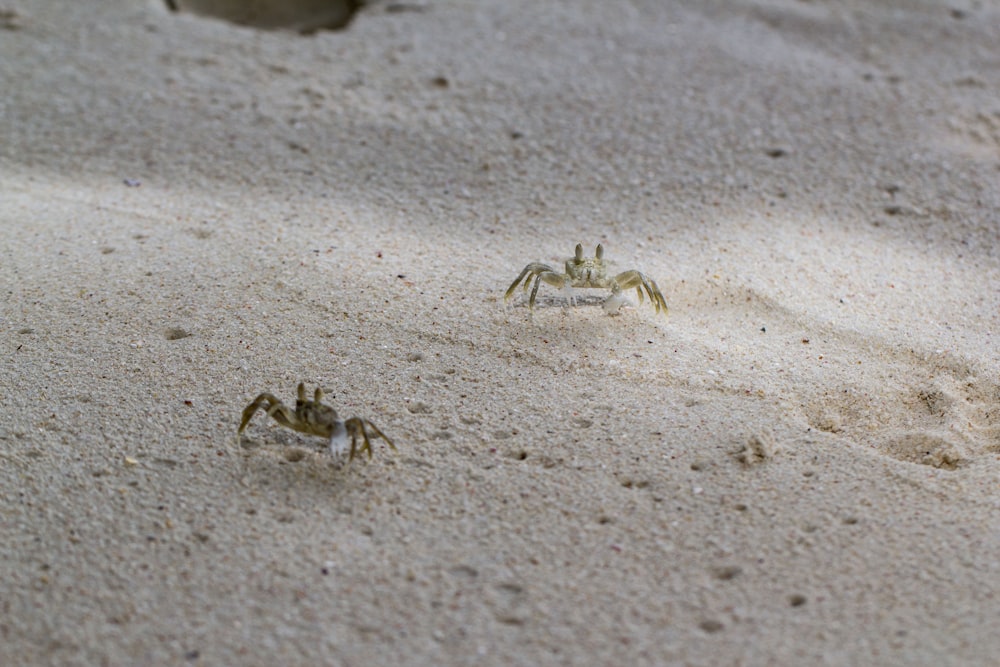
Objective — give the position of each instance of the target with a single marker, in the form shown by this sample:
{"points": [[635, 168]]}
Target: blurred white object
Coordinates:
{"points": [[301, 15]]}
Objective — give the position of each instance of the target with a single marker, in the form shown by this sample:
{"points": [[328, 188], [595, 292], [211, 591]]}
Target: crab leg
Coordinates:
{"points": [[531, 270], [275, 409], [550, 277], [379, 433], [357, 427], [630, 279]]}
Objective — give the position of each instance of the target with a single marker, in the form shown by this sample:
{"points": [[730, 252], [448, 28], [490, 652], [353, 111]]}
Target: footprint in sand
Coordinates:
{"points": [[950, 422], [915, 406], [938, 450]]}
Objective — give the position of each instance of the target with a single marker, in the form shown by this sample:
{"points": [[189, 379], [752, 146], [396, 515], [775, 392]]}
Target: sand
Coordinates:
{"points": [[798, 466]]}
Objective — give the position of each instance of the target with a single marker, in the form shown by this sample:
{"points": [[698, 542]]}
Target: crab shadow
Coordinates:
{"points": [[294, 463], [562, 301]]}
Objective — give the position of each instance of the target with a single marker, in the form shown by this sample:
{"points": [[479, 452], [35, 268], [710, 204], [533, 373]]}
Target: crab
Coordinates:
{"points": [[590, 273], [314, 418]]}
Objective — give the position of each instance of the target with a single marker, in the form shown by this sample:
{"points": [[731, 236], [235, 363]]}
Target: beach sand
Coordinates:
{"points": [[798, 466]]}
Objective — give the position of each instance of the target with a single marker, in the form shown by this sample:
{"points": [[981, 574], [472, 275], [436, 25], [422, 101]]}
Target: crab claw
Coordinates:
{"points": [[338, 440], [614, 303]]}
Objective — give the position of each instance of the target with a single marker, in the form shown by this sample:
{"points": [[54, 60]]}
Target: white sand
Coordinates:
{"points": [[799, 466]]}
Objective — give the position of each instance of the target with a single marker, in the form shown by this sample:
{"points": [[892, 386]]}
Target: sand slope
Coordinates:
{"points": [[798, 466]]}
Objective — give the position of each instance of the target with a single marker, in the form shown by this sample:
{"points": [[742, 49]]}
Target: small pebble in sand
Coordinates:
{"points": [[419, 408], [176, 333], [10, 19]]}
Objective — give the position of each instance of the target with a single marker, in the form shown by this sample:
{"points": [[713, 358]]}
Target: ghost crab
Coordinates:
{"points": [[314, 418], [591, 272]]}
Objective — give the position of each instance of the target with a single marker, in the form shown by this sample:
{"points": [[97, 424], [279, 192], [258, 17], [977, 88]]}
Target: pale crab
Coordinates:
{"points": [[314, 418], [590, 273]]}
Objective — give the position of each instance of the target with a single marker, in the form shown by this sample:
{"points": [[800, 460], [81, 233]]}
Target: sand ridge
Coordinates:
{"points": [[799, 464]]}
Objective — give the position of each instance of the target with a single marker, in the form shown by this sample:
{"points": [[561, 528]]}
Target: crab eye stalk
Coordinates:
{"points": [[579, 252], [599, 253]]}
